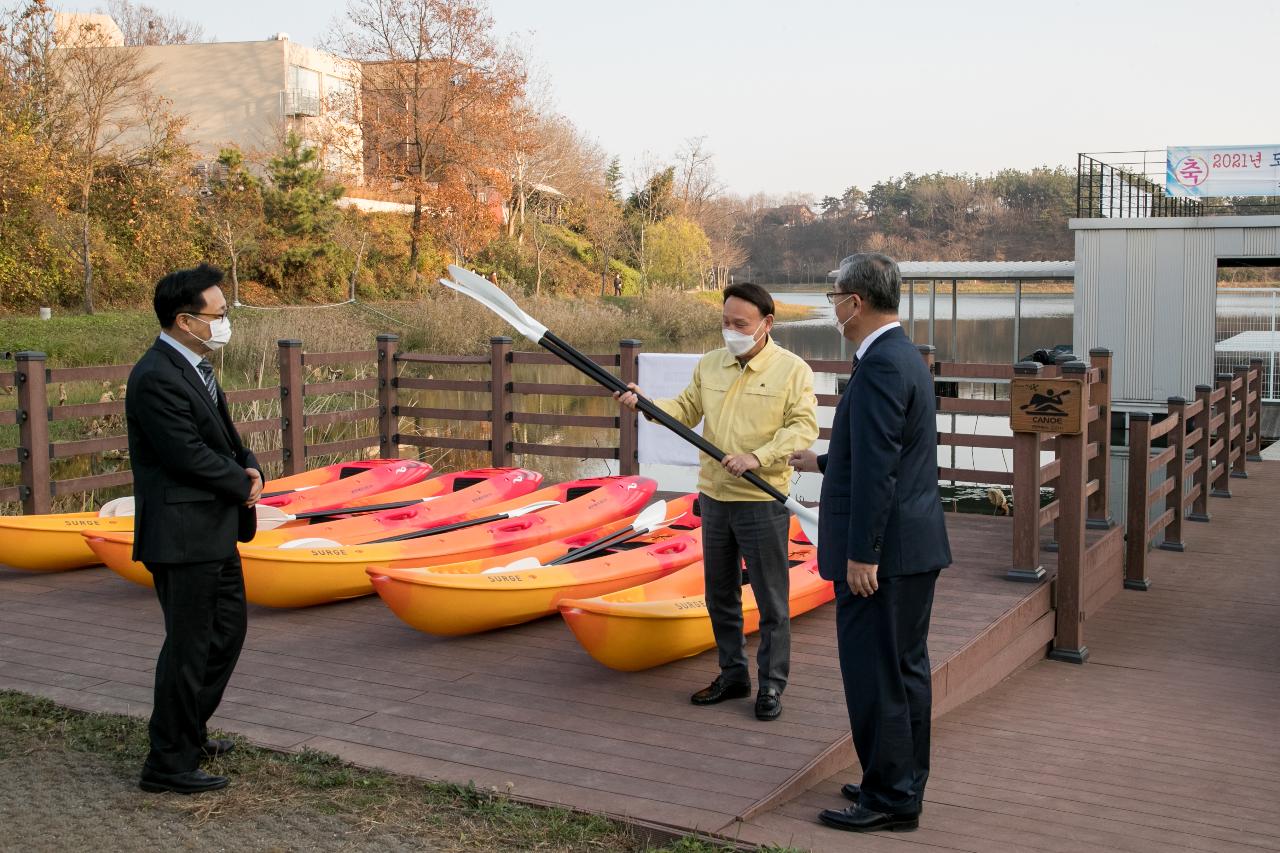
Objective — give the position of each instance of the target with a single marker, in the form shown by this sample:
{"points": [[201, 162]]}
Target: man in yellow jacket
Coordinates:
{"points": [[757, 404]]}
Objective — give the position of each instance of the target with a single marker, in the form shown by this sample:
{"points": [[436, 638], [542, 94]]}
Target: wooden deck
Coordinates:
{"points": [[524, 710], [1167, 740]]}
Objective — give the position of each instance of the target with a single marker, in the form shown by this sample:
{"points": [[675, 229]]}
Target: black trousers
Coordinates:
{"points": [[884, 660], [204, 622], [754, 532]]}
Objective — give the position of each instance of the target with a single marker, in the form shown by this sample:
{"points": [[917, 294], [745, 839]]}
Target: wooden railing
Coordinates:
{"points": [[1191, 454]]}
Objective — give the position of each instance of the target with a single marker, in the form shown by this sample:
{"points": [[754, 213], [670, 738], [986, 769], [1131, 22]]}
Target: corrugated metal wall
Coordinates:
{"points": [[1150, 295]]}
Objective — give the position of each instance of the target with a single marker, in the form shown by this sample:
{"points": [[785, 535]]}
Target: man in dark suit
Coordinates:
{"points": [[195, 486], [883, 541]]}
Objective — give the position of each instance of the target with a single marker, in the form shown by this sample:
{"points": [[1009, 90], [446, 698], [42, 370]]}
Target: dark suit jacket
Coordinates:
{"points": [[188, 464], [880, 501]]}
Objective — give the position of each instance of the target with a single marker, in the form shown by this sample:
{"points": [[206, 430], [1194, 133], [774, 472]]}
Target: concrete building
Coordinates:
{"points": [[248, 93]]}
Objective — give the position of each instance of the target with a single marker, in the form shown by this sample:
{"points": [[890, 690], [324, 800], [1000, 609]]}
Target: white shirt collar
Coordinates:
{"points": [[871, 338], [187, 353]]}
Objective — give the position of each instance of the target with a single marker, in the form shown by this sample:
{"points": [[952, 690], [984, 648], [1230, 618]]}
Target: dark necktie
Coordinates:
{"points": [[206, 373], [853, 367]]}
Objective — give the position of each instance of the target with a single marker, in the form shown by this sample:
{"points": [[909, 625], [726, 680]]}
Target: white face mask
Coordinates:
{"points": [[739, 344], [835, 318], [219, 332]]}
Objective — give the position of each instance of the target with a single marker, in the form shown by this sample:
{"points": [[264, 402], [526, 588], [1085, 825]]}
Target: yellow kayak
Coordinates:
{"points": [[666, 619], [496, 591]]}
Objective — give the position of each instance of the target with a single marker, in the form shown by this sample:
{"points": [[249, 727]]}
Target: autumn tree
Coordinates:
{"points": [[601, 221], [437, 93], [548, 150], [104, 98]]}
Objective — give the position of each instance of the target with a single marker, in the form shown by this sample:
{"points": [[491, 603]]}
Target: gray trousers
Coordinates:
{"points": [[754, 532]]}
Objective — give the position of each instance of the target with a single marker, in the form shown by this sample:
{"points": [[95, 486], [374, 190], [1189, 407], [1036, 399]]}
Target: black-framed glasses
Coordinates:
{"points": [[221, 316]]}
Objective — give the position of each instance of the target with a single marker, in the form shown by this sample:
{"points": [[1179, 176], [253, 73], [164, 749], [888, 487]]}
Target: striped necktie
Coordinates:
{"points": [[206, 373], [853, 367]]}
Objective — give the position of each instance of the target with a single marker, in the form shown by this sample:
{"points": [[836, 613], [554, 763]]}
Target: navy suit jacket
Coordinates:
{"points": [[880, 501], [188, 464]]}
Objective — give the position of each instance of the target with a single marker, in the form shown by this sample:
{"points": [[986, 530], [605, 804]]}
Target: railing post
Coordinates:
{"points": [[1177, 498], [1255, 409], [501, 435], [1026, 496], [1135, 568], [1060, 361], [628, 427], [930, 356], [33, 433], [1068, 640], [1240, 446], [388, 406], [1224, 453], [293, 436], [1204, 476], [1100, 432]]}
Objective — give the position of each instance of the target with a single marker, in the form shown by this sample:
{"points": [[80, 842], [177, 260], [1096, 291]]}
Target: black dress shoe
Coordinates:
{"points": [[768, 704], [721, 690], [859, 819], [852, 791], [191, 782], [215, 746]]}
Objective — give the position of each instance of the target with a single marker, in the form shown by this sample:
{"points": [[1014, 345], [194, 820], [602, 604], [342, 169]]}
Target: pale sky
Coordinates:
{"points": [[816, 95]]}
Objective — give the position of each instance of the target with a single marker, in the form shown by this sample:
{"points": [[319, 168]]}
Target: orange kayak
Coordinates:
{"points": [[366, 484], [666, 619], [441, 500], [53, 542], [478, 595], [303, 576]]}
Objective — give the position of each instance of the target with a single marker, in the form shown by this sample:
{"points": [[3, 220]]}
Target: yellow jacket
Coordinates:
{"points": [[767, 408]]}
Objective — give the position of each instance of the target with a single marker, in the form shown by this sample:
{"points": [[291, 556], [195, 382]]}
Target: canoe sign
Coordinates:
{"points": [[1047, 405]]}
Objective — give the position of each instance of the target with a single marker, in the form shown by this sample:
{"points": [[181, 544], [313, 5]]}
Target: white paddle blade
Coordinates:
{"points": [[117, 508], [310, 542], [654, 514], [523, 564], [516, 322], [808, 519], [270, 517], [494, 294], [533, 507]]}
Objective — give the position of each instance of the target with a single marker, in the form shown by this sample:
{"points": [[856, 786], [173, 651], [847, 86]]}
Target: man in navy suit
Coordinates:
{"points": [[883, 541]]}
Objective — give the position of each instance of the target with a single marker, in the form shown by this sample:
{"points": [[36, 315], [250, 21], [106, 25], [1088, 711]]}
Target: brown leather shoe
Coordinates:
{"points": [[720, 690]]}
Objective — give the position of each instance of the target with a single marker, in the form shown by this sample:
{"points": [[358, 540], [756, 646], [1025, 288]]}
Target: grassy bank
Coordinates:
{"points": [[441, 323], [277, 801]]}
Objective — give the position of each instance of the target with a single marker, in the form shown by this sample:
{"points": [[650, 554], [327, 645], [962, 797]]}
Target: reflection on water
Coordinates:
{"points": [[983, 332]]}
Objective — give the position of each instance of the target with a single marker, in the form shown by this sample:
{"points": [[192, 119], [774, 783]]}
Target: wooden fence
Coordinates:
{"points": [[1192, 453]]}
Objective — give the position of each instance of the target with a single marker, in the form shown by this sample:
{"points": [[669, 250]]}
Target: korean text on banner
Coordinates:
{"points": [[1218, 172]]}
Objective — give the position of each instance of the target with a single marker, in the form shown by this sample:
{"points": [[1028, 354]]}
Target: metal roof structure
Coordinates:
{"points": [[984, 270]]}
